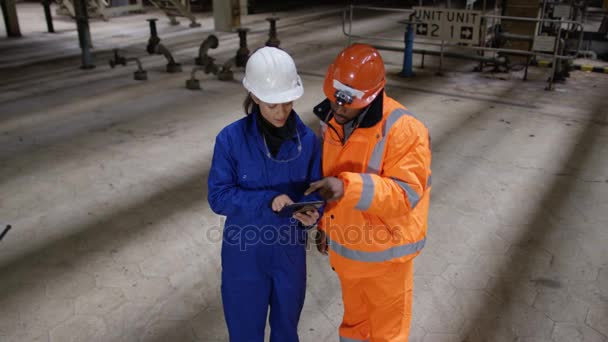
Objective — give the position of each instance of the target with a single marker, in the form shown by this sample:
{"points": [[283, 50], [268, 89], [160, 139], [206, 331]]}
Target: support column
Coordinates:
{"points": [[226, 15], [47, 14], [245, 10], [9, 12], [84, 35]]}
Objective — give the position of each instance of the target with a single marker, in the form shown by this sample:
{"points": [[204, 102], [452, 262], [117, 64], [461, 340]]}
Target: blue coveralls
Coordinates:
{"points": [[263, 255]]}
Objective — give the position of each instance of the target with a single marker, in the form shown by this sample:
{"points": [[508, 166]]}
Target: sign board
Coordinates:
{"points": [[457, 26], [561, 11], [544, 43]]}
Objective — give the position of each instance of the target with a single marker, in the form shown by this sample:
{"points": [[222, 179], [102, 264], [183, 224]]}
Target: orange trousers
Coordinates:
{"points": [[378, 309]]}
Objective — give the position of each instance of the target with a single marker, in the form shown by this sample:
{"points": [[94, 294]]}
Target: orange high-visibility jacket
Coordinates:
{"points": [[385, 166]]}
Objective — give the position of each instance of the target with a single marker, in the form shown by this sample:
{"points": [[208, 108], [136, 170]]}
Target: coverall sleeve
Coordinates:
{"points": [[315, 173], [225, 196], [405, 174]]}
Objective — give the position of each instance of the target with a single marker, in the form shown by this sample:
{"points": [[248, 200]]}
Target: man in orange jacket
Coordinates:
{"points": [[377, 168]]}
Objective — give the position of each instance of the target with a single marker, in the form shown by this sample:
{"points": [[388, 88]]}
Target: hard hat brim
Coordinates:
{"points": [[282, 97]]}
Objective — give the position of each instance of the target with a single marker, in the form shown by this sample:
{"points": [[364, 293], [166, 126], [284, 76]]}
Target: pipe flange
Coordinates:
{"points": [[213, 41], [225, 75], [193, 84], [173, 68], [203, 61], [241, 58], [140, 75]]}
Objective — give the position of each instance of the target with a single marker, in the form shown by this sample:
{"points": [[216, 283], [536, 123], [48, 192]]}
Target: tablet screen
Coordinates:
{"points": [[291, 209]]}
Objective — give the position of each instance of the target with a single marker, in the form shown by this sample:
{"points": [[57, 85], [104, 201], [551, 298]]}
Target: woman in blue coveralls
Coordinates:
{"points": [[261, 163]]}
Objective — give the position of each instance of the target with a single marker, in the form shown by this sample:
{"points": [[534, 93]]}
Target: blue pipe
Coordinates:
{"points": [[408, 52]]}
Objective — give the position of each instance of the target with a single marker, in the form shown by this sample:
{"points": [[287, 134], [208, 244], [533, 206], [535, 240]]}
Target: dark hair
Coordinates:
{"points": [[249, 106]]}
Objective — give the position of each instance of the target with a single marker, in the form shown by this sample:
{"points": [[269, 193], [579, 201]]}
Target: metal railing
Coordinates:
{"points": [[555, 55]]}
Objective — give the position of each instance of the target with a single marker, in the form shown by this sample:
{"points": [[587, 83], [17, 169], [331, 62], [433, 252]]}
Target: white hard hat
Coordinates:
{"points": [[272, 77]]}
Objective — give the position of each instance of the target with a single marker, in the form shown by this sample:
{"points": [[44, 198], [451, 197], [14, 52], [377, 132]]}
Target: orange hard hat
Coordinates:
{"points": [[356, 77]]}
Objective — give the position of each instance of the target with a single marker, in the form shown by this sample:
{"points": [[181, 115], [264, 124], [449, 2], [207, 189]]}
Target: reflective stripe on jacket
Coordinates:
{"points": [[386, 171]]}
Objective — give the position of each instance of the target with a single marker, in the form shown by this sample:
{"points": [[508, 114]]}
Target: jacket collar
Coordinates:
{"points": [[254, 128], [373, 116]]}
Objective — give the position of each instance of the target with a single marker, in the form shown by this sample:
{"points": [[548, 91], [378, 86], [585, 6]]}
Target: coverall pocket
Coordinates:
{"points": [[251, 175]]}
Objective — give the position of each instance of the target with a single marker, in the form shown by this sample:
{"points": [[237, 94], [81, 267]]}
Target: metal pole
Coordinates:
{"points": [[408, 53], [484, 32], [440, 72], [11, 21], [242, 54], [482, 39], [154, 39], [272, 33], [583, 18], [551, 78], [542, 16], [350, 24], [48, 16], [82, 23]]}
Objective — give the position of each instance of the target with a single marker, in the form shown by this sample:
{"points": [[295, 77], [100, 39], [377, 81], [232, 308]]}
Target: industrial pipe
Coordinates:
{"points": [[242, 54], [47, 14], [154, 39], [225, 73], [193, 83], [156, 48], [408, 53], [172, 66], [139, 75], [84, 35], [272, 34], [203, 58], [117, 60]]}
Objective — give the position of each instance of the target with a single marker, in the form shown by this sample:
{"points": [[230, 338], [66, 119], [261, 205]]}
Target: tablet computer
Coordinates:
{"points": [[291, 209]]}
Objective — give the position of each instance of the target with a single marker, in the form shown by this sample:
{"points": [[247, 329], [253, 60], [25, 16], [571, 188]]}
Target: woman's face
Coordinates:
{"points": [[275, 113]]}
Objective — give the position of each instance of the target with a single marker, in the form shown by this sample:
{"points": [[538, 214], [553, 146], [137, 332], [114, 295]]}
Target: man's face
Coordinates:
{"points": [[344, 115]]}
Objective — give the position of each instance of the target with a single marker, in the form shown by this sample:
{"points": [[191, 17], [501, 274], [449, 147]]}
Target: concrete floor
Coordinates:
{"points": [[103, 179]]}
